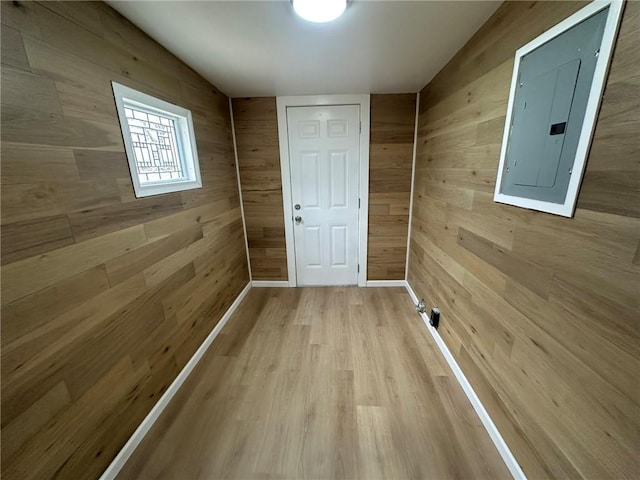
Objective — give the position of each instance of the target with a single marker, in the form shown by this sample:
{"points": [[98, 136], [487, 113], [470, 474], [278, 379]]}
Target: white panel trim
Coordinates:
{"points": [[567, 208], [492, 430], [413, 182], [270, 283], [244, 222], [386, 283], [363, 217], [116, 465], [185, 136]]}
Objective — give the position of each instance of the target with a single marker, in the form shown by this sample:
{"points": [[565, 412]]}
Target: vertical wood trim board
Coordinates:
{"points": [[244, 220], [105, 297], [256, 128], [390, 164], [539, 311], [413, 184]]}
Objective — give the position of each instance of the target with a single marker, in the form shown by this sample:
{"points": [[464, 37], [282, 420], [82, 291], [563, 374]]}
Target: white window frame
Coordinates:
{"points": [[614, 16], [323, 100], [186, 141]]}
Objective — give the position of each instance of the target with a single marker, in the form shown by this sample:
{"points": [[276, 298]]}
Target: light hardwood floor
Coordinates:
{"points": [[320, 383]]}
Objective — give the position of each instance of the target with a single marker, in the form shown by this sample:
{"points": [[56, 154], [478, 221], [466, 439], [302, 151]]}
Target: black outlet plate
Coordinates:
{"points": [[434, 318]]}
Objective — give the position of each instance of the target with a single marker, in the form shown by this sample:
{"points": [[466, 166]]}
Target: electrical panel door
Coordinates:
{"points": [[548, 112]]}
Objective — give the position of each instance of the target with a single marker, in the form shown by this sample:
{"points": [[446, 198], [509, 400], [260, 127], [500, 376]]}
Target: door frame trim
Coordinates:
{"points": [[364, 101]]}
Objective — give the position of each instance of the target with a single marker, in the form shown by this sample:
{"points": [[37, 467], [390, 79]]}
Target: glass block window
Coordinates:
{"points": [[159, 142], [155, 146]]}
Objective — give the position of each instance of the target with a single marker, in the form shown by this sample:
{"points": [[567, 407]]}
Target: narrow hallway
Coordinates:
{"points": [[339, 382]]}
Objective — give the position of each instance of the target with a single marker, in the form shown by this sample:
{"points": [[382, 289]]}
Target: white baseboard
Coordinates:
{"points": [[386, 283], [270, 283], [492, 430], [285, 283], [116, 465]]}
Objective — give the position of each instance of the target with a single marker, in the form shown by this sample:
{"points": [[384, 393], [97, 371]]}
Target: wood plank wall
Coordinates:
{"points": [[391, 153], [104, 297], [540, 311], [256, 125], [393, 120]]}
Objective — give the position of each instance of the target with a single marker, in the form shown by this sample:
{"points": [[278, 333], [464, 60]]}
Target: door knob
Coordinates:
{"points": [[298, 219]]}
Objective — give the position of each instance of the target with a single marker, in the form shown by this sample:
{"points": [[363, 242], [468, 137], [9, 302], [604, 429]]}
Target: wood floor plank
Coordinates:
{"points": [[335, 382]]}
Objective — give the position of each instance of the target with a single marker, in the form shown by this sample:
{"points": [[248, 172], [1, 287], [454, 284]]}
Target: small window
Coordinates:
{"points": [[159, 141]]}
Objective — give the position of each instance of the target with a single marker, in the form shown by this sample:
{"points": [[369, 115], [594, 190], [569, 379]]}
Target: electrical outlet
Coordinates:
{"points": [[434, 317]]}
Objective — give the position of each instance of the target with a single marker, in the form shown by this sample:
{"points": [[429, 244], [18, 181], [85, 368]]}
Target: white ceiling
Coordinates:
{"points": [[261, 48]]}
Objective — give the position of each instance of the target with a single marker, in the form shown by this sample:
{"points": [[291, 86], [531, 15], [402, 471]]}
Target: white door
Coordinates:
{"points": [[324, 153]]}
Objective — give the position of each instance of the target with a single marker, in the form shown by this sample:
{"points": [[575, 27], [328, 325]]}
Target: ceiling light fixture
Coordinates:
{"points": [[319, 11]]}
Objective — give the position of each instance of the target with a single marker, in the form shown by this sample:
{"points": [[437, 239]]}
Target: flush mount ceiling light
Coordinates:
{"points": [[319, 11]]}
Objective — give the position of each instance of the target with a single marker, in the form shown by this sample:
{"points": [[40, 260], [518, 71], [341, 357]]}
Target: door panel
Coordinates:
{"points": [[311, 244], [338, 246], [310, 179], [337, 128], [324, 152], [338, 176], [309, 129]]}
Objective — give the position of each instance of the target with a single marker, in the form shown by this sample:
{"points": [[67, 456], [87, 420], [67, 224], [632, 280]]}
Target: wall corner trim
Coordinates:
{"points": [[413, 185], [125, 453], [492, 430], [270, 283], [235, 156]]}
